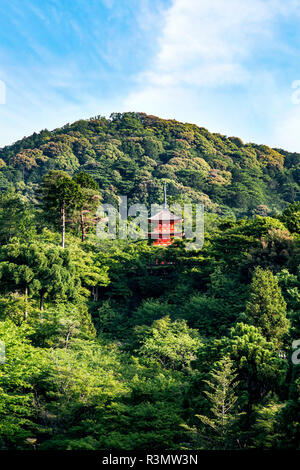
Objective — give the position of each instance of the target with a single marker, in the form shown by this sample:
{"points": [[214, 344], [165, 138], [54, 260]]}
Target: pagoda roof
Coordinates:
{"points": [[164, 215], [165, 236]]}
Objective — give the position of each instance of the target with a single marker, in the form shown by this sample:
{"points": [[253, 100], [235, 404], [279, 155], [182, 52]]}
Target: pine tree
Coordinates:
{"points": [[218, 431]]}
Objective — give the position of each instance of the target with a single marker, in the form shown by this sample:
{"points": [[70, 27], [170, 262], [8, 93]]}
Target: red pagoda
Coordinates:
{"points": [[163, 225]]}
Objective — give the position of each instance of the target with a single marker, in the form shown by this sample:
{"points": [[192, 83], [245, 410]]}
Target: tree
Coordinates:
{"points": [[16, 217], [291, 217], [260, 368], [275, 250], [80, 382], [22, 368], [173, 345], [44, 271], [60, 196], [88, 202], [290, 286], [266, 432], [149, 311], [266, 307], [61, 324], [289, 420], [27, 159], [219, 427]]}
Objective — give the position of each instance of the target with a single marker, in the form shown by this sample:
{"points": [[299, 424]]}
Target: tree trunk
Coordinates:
{"points": [[68, 337], [42, 302], [26, 306], [95, 293], [63, 224]]}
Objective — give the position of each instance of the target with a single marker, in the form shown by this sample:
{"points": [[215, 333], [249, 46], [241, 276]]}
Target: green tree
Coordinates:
{"points": [[266, 431], [88, 202], [80, 382], [289, 419], [44, 271], [266, 307], [22, 369], [16, 217], [291, 217], [171, 344], [219, 428], [59, 196], [260, 368]]}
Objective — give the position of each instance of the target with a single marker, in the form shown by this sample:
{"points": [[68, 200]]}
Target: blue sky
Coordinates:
{"points": [[227, 65]]}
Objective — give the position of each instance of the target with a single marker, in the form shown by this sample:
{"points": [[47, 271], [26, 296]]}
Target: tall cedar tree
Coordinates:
{"points": [[219, 428], [266, 308], [60, 195], [89, 201]]}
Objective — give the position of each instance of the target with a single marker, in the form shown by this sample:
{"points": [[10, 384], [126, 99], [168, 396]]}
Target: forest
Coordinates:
{"points": [[121, 345]]}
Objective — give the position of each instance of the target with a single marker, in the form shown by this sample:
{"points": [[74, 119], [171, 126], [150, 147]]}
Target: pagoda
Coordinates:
{"points": [[163, 225]]}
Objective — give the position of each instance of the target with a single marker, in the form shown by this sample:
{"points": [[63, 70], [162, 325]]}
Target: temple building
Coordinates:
{"points": [[163, 230]]}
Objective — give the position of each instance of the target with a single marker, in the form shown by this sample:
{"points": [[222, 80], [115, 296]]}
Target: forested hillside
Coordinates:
{"points": [[130, 153], [115, 344]]}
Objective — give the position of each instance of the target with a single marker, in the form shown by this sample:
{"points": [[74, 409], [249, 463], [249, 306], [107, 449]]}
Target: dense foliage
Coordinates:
{"points": [[115, 344], [129, 153]]}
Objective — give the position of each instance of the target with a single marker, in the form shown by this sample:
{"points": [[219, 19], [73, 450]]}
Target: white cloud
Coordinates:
{"points": [[205, 68], [209, 31], [204, 41]]}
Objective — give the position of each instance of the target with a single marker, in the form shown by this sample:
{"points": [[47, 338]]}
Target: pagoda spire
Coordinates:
{"points": [[165, 195]]}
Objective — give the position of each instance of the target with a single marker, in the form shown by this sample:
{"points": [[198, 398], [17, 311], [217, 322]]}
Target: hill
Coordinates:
{"points": [[121, 345], [130, 153]]}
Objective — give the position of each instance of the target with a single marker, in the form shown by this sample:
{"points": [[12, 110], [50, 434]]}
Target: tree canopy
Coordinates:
{"points": [[122, 345]]}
